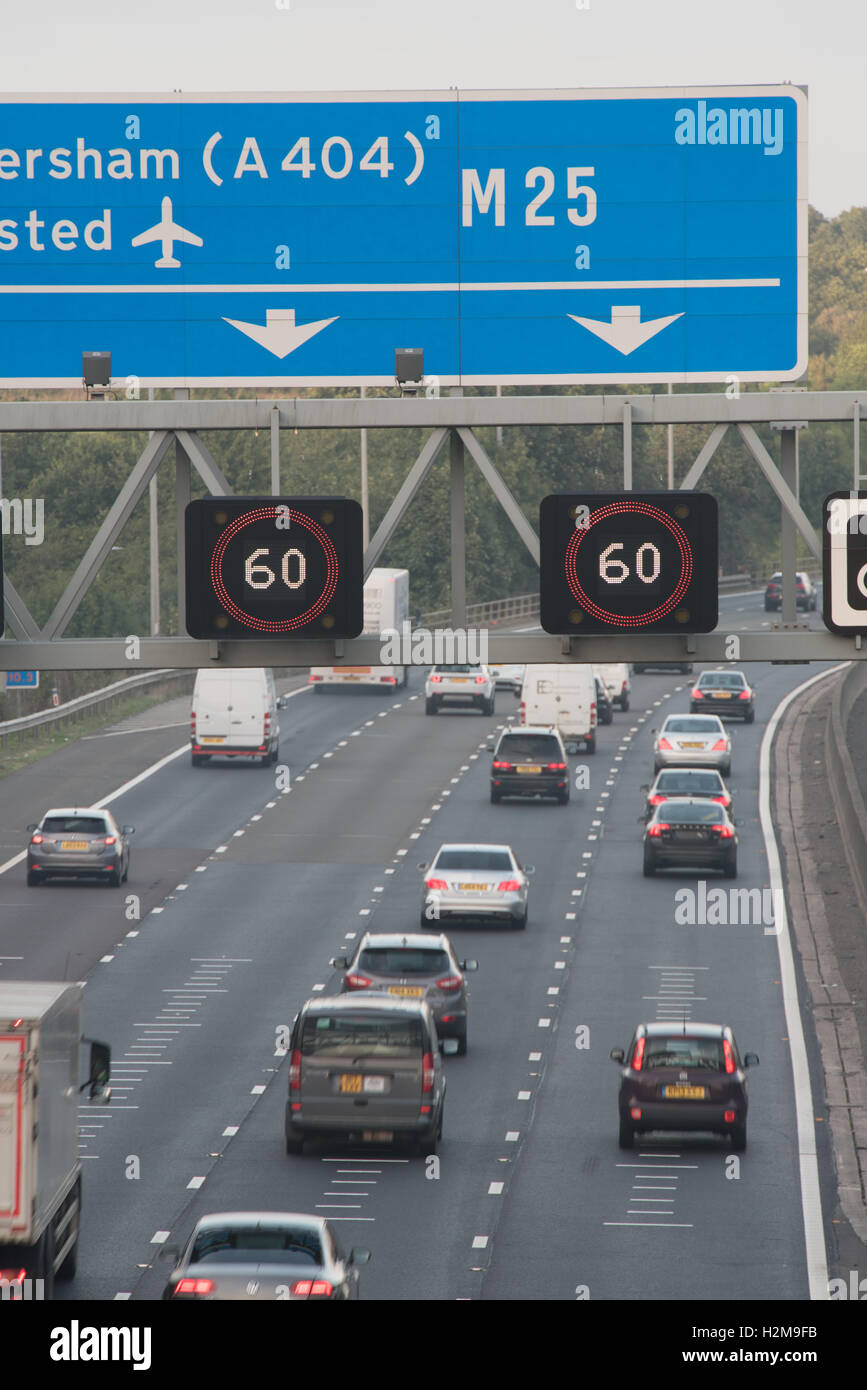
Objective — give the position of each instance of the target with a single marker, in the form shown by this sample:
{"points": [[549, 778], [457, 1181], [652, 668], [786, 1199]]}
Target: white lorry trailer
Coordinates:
{"points": [[386, 608], [40, 1170]]}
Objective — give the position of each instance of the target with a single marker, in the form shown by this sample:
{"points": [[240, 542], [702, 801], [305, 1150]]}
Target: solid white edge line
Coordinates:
{"points": [[811, 1202], [134, 781]]}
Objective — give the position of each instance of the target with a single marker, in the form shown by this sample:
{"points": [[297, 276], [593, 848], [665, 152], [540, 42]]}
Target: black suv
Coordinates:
{"points": [[530, 761]]}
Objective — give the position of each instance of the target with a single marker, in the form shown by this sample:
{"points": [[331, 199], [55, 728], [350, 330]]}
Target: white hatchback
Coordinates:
{"points": [[693, 740], [463, 685]]}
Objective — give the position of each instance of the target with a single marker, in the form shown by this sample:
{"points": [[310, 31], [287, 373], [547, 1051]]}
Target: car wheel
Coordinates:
{"points": [[624, 703], [428, 1142], [114, 879], [33, 880], [563, 798], [727, 770], [649, 867], [490, 709], [199, 759], [495, 796], [462, 1050], [590, 743], [739, 1138], [294, 1146], [731, 868], [519, 923], [430, 706], [768, 606], [125, 873], [749, 718], [626, 1136]]}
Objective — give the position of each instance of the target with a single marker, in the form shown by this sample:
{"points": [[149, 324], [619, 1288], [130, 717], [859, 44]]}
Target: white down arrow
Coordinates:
{"points": [[626, 332], [280, 333]]}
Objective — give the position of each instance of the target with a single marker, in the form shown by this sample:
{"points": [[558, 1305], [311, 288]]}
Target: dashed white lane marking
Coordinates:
{"points": [[534, 1057], [230, 1130], [495, 1188], [195, 1182], [544, 1023], [512, 1136], [257, 1090], [524, 1095], [480, 1242], [160, 1237]]}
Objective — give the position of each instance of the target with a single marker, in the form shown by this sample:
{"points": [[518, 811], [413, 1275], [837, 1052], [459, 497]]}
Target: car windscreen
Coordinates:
{"points": [[721, 680], [490, 861], [74, 825], [687, 725], [459, 670], [539, 748], [358, 1036], [403, 960], [685, 813], [692, 783], [257, 1245], [677, 1051]]}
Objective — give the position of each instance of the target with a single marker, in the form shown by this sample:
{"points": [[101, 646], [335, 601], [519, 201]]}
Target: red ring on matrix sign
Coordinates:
{"points": [[283, 624], [630, 509]]}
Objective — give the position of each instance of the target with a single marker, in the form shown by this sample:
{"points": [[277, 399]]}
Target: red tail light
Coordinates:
{"points": [[656, 829], [638, 1055], [36, 839], [388, 680], [502, 767], [725, 832], [436, 679], [312, 1288], [438, 883], [657, 799], [696, 694], [449, 983], [523, 712], [744, 695], [111, 839], [481, 680], [295, 1071], [267, 721], [509, 885], [427, 1073], [314, 678], [723, 800], [196, 1286], [729, 1056], [664, 743], [719, 746], [556, 767], [356, 981], [729, 1117], [193, 725]]}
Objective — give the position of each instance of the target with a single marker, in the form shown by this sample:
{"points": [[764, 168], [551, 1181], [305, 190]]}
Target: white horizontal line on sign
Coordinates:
{"points": [[446, 286]]}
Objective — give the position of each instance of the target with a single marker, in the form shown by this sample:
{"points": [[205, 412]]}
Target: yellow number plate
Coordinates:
{"points": [[683, 1092], [412, 991], [529, 767], [214, 738], [350, 1082], [721, 694], [692, 745], [73, 844], [459, 680], [473, 887]]}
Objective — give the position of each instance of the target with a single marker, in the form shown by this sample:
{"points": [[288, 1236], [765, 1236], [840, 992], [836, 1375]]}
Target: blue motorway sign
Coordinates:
{"points": [[21, 680], [517, 237]]}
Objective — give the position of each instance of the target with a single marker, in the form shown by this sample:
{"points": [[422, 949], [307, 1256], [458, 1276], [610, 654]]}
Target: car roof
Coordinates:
{"points": [[76, 811], [722, 671], [666, 806], [688, 1030], [688, 771], [682, 715], [532, 729], [467, 844], [259, 1218], [372, 1004], [394, 940]]}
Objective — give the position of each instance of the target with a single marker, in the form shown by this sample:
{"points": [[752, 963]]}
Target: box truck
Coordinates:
{"points": [[386, 608], [40, 1172], [564, 696], [234, 715]]}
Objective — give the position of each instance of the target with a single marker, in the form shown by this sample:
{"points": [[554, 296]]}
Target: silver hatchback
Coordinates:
{"points": [[475, 881], [76, 842], [693, 740]]}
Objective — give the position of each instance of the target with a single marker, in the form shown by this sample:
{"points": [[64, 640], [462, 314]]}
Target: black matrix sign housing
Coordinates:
{"points": [[274, 567], [629, 562]]}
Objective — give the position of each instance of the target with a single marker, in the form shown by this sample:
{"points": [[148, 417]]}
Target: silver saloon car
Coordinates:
{"points": [[693, 740], [481, 882]]}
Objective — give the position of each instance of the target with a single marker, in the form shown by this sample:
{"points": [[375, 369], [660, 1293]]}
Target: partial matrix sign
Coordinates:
{"points": [[538, 237]]}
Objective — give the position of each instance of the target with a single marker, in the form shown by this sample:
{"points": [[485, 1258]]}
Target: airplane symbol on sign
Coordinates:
{"points": [[167, 232]]}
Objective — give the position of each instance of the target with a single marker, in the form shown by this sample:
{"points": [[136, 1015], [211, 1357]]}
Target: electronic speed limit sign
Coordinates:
{"points": [[844, 562], [274, 567], [629, 562]]}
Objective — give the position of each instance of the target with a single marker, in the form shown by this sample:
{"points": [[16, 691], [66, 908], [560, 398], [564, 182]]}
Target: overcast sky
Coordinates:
{"points": [[344, 45]]}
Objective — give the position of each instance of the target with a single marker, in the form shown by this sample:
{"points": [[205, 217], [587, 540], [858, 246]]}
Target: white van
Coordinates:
{"points": [[614, 675], [234, 715], [565, 696]]}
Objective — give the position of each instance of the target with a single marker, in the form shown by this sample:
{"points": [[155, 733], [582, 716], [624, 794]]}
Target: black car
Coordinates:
{"points": [[728, 693], [689, 833], [604, 706], [683, 1077], [806, 593], [530, 761]]}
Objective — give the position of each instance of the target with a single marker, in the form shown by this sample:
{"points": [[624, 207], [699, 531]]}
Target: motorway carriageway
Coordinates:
{"points": [[247, 891]]}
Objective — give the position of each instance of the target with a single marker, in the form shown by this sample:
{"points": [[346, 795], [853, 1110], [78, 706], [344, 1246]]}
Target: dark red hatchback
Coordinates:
{"points": [[683, 1077]]}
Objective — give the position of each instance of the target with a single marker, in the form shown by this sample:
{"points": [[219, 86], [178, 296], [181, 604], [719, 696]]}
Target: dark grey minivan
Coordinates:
{"points": [[367, 1069]]}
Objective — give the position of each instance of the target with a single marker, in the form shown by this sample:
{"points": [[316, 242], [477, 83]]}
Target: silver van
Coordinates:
{"points": [[367, 1069]]}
